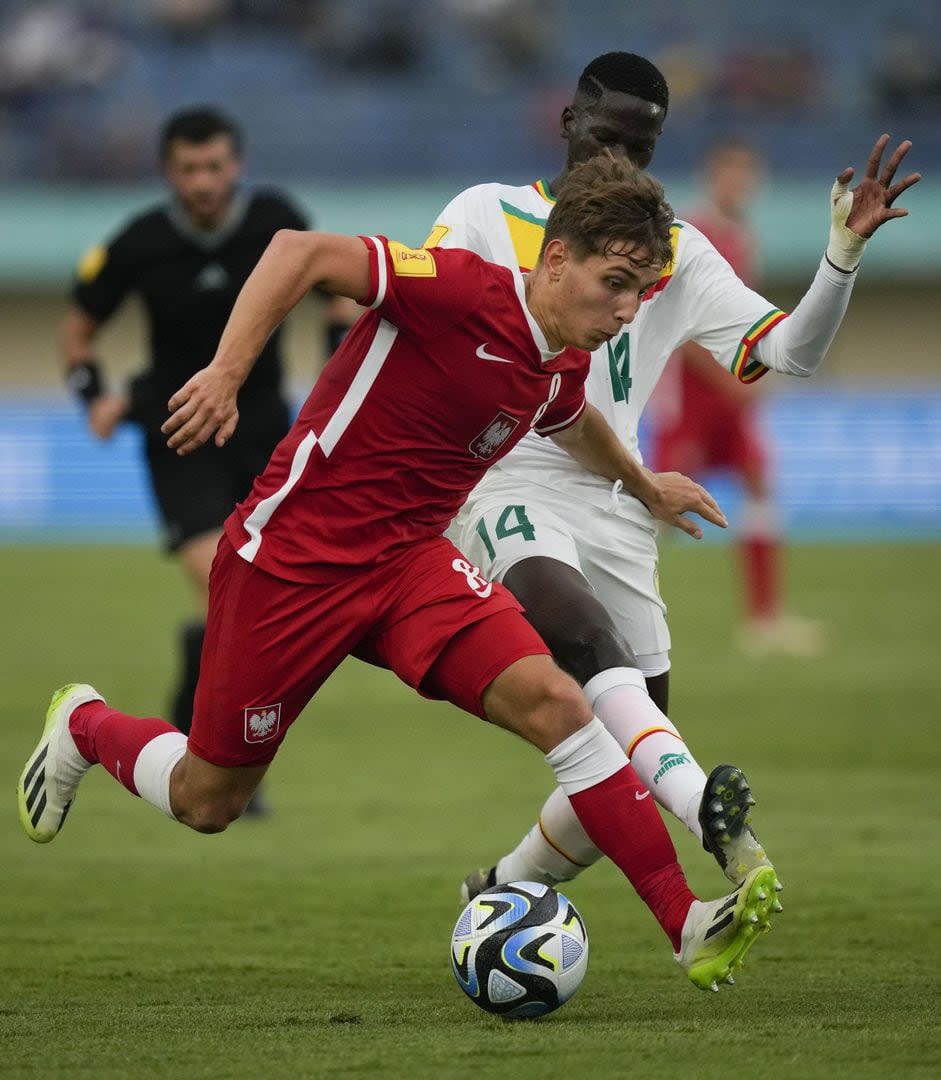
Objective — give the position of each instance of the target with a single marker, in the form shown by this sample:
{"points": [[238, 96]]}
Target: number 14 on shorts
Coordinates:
{"points": [[512, 520]]}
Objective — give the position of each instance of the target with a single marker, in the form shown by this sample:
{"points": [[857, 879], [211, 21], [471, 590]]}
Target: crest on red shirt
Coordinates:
{"points": [[262, 722], [494, 435]]}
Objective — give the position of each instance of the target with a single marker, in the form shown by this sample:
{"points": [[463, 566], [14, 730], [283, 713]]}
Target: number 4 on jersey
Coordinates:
{"points": [[504, 531], [619, 364]]}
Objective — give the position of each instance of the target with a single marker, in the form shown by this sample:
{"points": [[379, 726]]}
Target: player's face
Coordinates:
{"points": [[625, 125], [204, 176], [595, 297]]}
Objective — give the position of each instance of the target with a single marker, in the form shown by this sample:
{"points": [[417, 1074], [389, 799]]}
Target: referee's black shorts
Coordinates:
{"points": [[197, 492]]}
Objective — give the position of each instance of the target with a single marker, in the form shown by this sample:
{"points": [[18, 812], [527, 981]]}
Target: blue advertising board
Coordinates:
{"points": [[849, 464]]}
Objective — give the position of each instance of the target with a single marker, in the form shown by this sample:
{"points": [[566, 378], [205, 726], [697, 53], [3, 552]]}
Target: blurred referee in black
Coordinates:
{"points": [[187, 259]]}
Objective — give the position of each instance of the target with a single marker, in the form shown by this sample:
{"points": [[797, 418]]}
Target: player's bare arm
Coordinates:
{"points": [[668, 496], [104, 410], [293, 264]]}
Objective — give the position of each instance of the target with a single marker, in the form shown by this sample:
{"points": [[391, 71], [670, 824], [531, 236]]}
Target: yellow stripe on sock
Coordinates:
{"points": [[643, 735]]}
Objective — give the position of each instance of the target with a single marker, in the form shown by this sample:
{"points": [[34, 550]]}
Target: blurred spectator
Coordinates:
{"points": [[785, 75], [72, 154], [513, 38], [908, 71], [394, 69], [379, 36], [184, 19], [294, 14], [52, 45], [687, 70]]}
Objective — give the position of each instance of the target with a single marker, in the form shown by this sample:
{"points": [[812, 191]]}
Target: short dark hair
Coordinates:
{"points": [[198, 125], [626, 73], [606, 202]]}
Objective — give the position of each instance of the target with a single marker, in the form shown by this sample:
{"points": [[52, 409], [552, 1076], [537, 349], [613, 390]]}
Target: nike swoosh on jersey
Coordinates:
{"points": [[484, 355], [639, 797]]}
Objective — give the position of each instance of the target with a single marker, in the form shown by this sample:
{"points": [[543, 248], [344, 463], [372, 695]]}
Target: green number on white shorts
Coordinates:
{"points": [[504, 530], [481, 529]]}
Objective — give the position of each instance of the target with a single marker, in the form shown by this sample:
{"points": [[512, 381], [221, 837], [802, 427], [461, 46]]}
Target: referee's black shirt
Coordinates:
{"points": [[188, 280]]}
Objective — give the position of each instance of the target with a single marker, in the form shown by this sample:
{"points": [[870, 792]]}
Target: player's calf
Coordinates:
{"points": [[537, 701], [208, 798], [207, 817]]}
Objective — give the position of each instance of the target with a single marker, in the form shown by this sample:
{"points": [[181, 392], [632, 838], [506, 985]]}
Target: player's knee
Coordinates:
{"points": [[558, 708], [583, 649]]}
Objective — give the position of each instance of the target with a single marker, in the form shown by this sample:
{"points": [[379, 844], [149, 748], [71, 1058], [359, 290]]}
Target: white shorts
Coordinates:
{"points": [[506, 520]]}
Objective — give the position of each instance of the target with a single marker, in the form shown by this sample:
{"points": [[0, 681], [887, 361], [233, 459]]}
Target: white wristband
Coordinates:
{"points": [[845, 247]]}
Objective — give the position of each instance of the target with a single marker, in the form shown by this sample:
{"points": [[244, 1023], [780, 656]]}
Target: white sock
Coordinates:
{"points": [[758, 519], [558, 848], [555, 849], [154, 766], [586, 758], [655, 748]]}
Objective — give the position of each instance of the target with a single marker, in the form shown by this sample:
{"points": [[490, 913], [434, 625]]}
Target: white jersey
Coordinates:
{"points": [[698, 298]]}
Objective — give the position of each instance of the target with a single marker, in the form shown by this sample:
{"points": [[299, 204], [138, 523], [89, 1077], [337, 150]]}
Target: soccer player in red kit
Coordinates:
{"points": [[339, 548], [706, 419]]}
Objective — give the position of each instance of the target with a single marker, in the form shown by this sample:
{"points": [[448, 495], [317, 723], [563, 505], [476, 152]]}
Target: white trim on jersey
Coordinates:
{"points": [[355, 395], [261, 515], [382, 274], [563, 424], [519, 283], [365, 376]]}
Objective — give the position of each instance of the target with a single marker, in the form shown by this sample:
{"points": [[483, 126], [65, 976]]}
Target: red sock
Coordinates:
{"points": [[762, 567], [107, 737], [631, 833]]}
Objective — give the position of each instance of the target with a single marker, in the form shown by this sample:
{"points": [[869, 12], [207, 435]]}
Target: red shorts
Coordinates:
{"points": [[710, 431], [270, 643]]}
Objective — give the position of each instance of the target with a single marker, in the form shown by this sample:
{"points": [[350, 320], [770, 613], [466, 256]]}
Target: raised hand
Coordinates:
{"points": [[874, 195]]}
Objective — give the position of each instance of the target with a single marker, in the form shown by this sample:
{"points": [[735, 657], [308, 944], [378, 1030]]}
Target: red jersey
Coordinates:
{"points": [[444, 375]]}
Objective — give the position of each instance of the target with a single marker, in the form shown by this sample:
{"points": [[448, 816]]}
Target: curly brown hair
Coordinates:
{"points": [[607, 203]]}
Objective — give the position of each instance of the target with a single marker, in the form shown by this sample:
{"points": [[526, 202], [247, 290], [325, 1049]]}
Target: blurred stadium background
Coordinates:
{"points": [[372, 113]]}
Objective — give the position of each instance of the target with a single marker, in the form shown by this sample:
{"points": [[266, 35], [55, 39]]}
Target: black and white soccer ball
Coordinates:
{"points": [[519, 950]]}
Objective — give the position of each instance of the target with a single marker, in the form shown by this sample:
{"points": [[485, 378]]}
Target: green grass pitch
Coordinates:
{"points": [[316, 944]]}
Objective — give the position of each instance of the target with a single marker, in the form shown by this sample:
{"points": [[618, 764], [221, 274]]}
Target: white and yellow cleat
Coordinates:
{"points": [[55, 768], [718, 933]]}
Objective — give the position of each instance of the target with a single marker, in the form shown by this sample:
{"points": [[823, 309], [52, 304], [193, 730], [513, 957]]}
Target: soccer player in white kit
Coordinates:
{"points": [[580, 554]]}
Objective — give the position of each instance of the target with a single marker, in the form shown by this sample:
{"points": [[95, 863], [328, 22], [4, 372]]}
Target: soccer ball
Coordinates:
{"points": [[519, 950]]}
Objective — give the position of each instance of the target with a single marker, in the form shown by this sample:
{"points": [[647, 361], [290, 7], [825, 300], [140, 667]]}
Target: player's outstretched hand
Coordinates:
{"points": [[205, 406], [678, 495], [874, 195]]}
